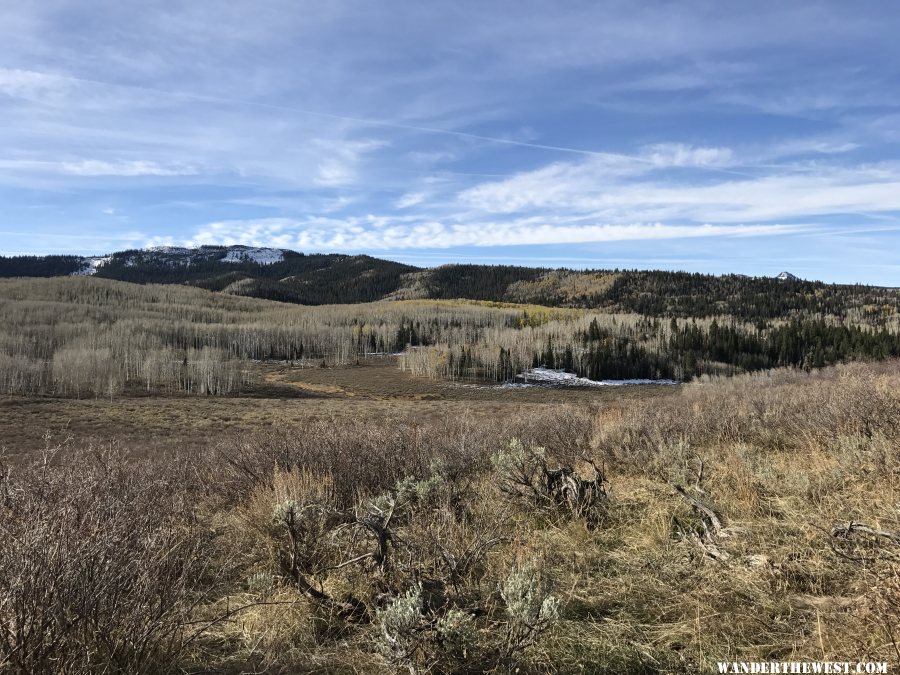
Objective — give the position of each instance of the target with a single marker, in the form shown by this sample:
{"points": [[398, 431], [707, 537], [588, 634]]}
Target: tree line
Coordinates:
{"points": [[633, 347], [318, 279], [90, 336]]}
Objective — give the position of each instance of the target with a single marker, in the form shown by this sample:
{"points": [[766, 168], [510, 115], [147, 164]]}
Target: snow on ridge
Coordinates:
{"points": [[187, 256], [90, 265], [260, 256], [545, 377], [175, 256], [170, 249]]}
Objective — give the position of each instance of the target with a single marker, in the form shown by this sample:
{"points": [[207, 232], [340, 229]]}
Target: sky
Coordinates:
{"points": [[706, 136]]}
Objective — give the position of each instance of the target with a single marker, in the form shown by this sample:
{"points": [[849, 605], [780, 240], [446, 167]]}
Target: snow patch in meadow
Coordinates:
{"points": [[545, 377]]}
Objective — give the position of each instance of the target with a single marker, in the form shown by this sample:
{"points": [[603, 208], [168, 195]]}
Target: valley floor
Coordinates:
{"points": [[284, 395]]}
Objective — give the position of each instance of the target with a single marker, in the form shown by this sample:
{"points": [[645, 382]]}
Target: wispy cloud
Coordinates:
{"points": [[391, 233], [94, 168], [29, 84], [629, 192], [339, 165], [411, 199], [667, 155], [89, 167]]}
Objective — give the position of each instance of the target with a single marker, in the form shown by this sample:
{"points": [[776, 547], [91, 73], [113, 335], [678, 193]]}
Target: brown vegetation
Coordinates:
{"points": [[751, 518], [279, 394]]}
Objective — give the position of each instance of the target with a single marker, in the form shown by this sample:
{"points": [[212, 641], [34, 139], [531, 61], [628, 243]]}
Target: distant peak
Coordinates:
{"points": [[787, 276]]}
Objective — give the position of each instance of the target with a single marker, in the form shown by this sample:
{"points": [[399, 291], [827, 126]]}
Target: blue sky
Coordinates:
{"points": [[706, 136]]}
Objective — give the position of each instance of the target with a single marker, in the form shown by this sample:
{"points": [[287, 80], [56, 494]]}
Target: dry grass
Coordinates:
{"points": [[159, 425], [785, 457]]}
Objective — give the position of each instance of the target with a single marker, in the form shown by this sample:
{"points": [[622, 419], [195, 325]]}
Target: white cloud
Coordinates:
{"points": [[29, 84], [341, 159], [160, 241], [576, 184], [667, 155], [822, 146], [383, 233], [20, 169], [431, 157], [624, 193], [410, 199], [333, 173], [93, 167]]}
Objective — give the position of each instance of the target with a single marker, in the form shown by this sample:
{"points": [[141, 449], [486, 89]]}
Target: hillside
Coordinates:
{"points": [[316, 279], [272, 274], [89, 336]]}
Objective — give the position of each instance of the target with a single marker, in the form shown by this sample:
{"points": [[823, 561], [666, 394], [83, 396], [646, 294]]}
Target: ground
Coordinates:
{"points": [[284, 393]]}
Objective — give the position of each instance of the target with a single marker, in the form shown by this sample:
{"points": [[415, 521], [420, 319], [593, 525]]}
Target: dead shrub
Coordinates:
{"points": [[523, 474], [101, 566]]}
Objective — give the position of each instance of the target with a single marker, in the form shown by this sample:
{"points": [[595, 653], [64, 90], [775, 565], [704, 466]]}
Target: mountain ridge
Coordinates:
{"points": [[334, 278]]}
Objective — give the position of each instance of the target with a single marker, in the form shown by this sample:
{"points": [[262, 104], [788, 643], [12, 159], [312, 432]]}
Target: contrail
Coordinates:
{"points": [[422, 129], [380, 123], [348, 118]]}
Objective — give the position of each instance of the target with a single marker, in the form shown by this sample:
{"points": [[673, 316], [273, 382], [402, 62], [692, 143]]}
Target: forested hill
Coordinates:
{"points": [[315, 279], [273, 274]]}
